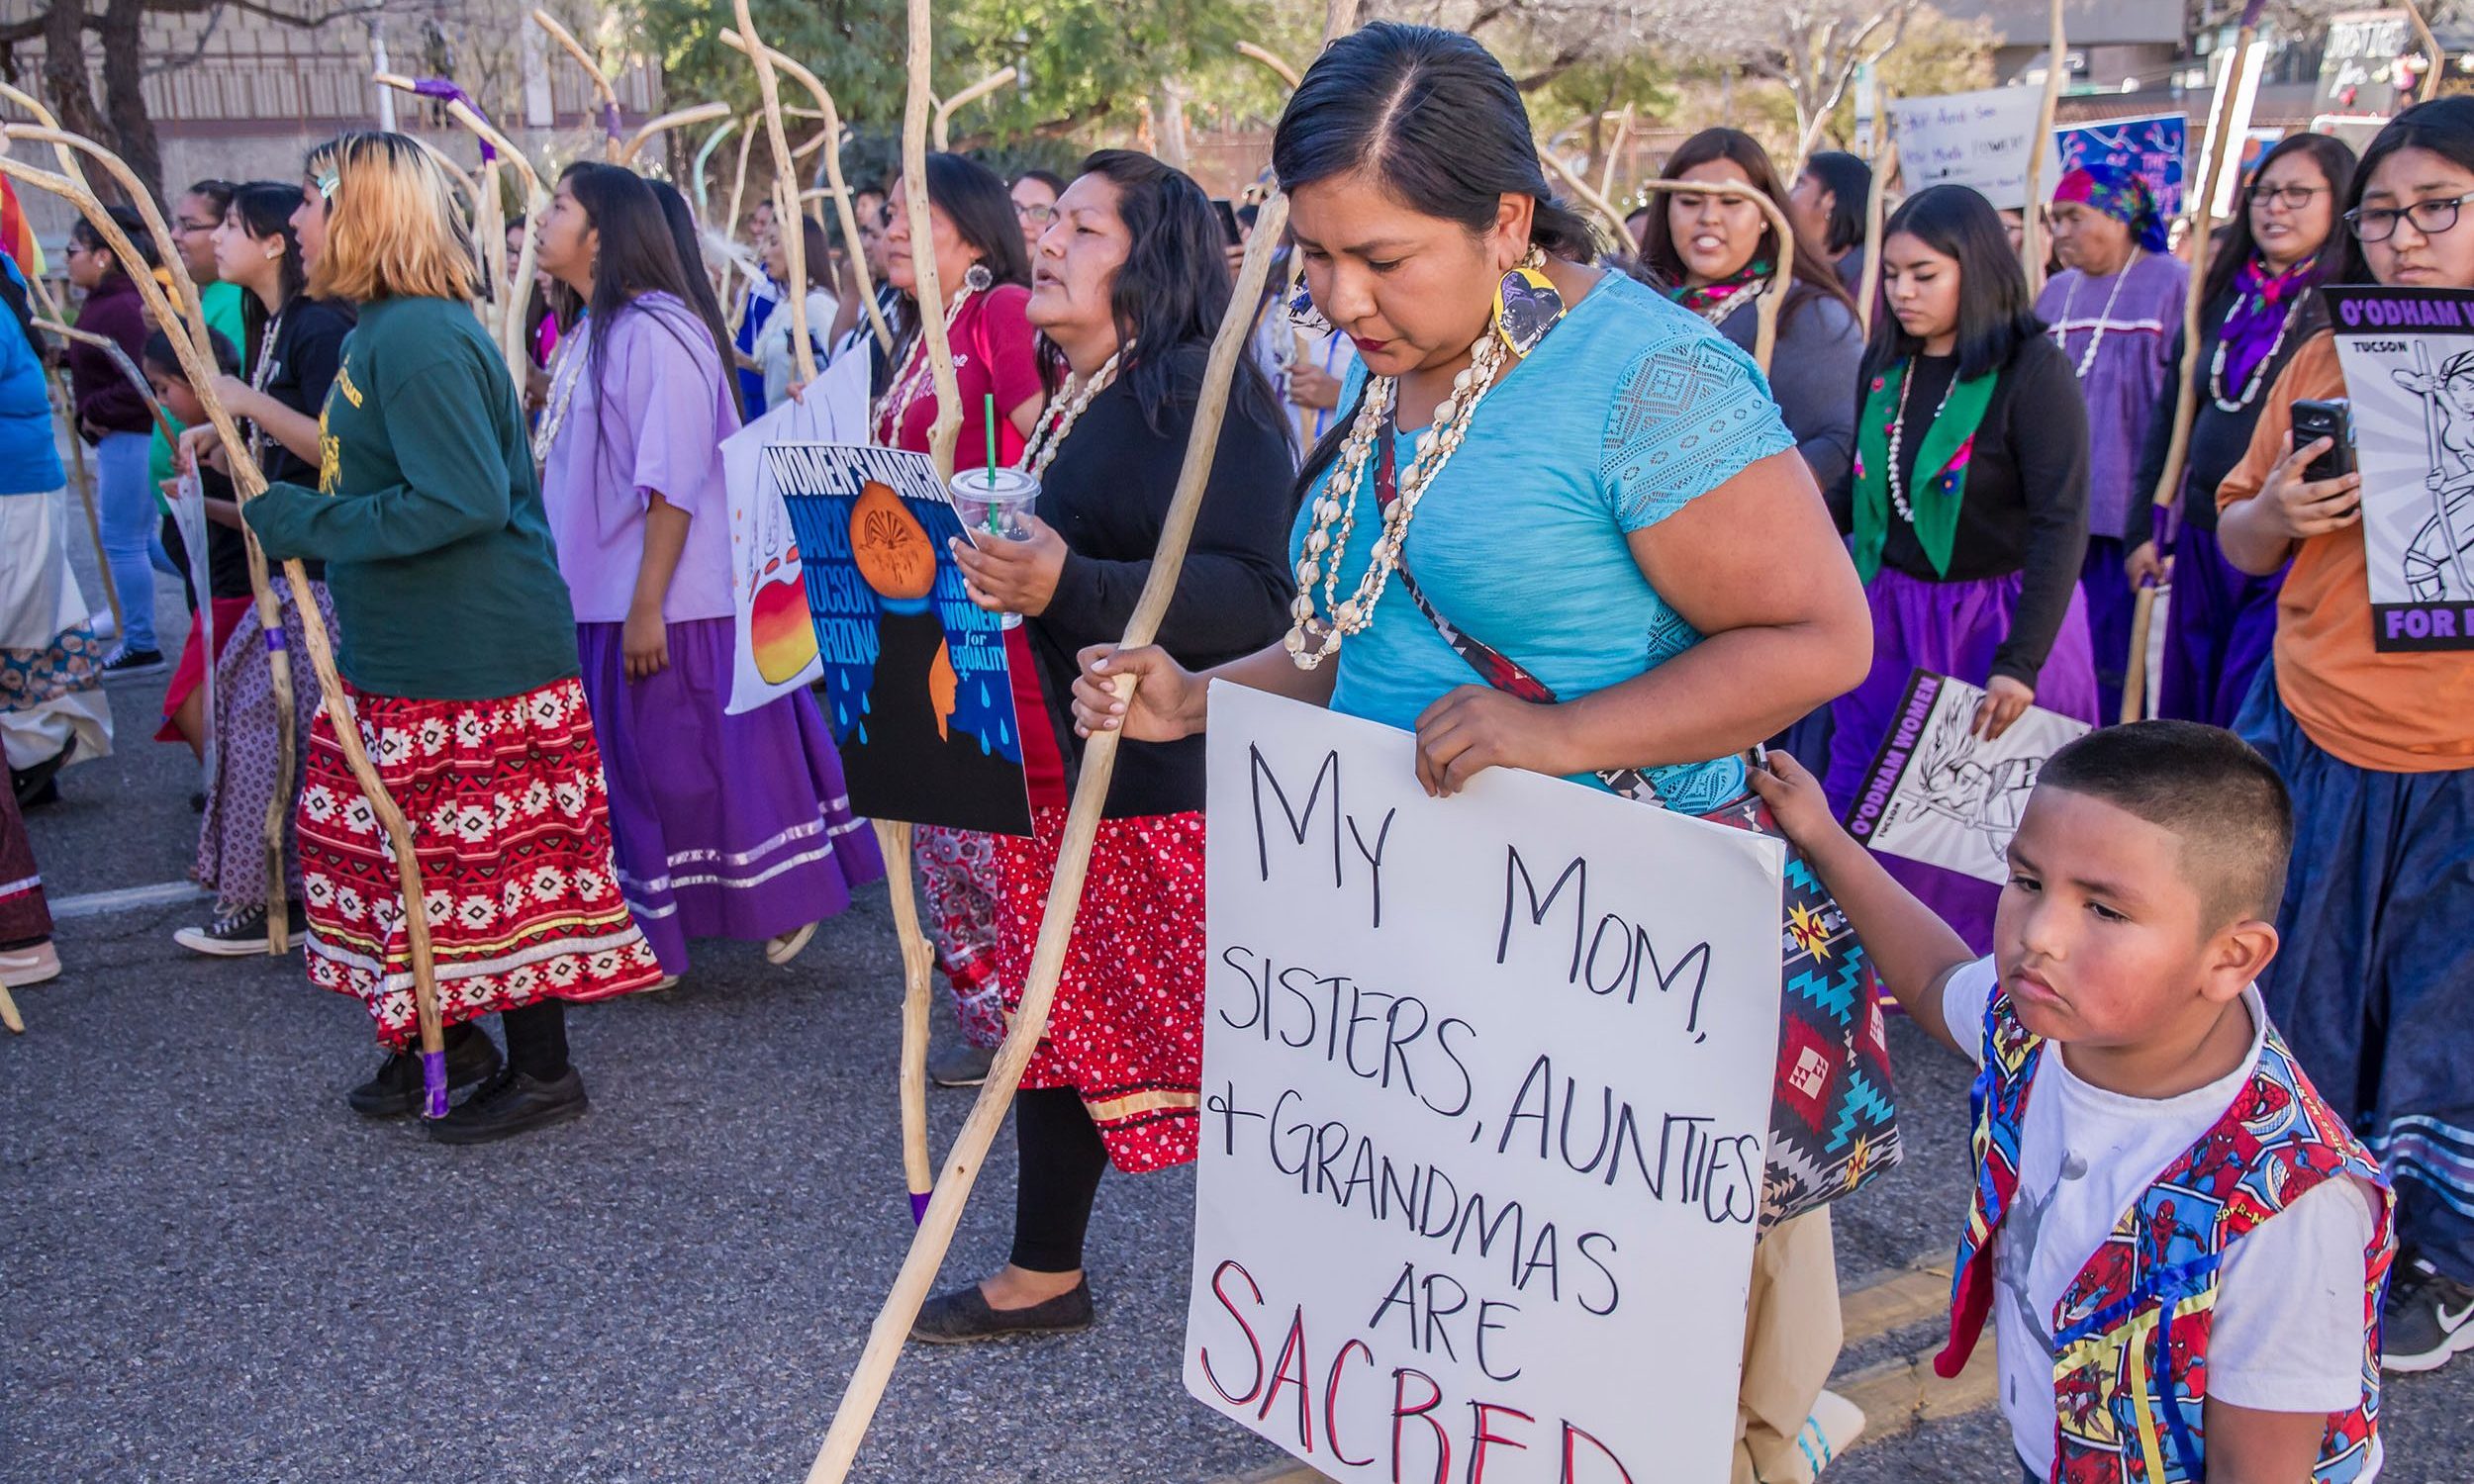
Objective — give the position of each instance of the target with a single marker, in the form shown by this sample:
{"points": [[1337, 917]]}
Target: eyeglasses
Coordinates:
{"points": [[2429, 218], [2293, 198], [1035, 214]]}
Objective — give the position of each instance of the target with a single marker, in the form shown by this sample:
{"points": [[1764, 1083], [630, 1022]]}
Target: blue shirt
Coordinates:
{"points": [[1631, 409], [30, 460]]}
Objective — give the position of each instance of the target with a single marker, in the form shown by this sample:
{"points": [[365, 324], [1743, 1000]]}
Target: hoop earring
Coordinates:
{"points": [[976, 279], [1526, 303]]}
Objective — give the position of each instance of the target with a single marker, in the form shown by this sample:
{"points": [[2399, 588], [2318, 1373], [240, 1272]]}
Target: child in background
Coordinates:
{"points": [[226, 556], [2182, 1250]]}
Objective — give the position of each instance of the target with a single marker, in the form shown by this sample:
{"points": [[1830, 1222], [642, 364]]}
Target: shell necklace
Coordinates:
{"points": [[1312, 639], [2260, 373], [918, 375], [566, 369], [258, 379], [2104, 317], [1058, 421], [1898, 435]]}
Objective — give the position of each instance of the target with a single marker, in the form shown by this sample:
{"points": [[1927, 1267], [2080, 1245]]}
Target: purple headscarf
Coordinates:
{"points": [[2121, 193]]}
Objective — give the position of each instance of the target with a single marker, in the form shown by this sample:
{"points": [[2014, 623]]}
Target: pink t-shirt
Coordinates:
{"points": [[994, 349], [650, 417]]}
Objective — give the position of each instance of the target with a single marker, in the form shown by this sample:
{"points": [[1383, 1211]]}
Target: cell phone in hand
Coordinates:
{"points": [[2332, 419]]}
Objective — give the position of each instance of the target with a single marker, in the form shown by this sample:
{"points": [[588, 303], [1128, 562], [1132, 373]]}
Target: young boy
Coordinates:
{"points": [[2181, 1249]]}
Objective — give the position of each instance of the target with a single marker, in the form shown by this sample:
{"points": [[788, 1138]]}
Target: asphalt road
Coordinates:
{"points": [[210, 1270]]}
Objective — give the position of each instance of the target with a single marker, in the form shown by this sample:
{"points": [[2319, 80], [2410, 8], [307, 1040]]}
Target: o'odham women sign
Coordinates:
{"points": [[1486, 1083]]}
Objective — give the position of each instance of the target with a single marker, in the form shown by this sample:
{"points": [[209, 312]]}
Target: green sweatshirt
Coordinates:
{"points": [[429, 516]]}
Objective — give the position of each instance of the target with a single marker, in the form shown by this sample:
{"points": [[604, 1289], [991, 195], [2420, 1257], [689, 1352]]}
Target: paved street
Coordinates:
{"points": [[211, 1271]]}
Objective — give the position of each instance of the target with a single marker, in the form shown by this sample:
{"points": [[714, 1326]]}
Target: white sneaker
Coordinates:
{"points": [[20, 967], [780, 950]]}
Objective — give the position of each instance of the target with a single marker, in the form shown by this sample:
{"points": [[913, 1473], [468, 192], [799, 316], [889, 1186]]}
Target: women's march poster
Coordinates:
{"points": [[917, 691], [1939, 794], [1486, 1087], [2408, 360]]}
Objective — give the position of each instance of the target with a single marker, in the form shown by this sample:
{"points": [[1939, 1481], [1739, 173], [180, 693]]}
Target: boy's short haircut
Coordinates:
{"points": [[158, 352], [2205, 785]]}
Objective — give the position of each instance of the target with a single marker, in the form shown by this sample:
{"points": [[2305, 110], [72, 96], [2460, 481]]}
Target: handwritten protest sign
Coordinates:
{"points": [[1939, 794], [917, 691], [1977, 140], [1485, 1086], [2152, 146], [2409, 359]]}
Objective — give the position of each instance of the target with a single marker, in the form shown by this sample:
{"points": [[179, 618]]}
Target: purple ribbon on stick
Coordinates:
{"points": [[443, 91]]}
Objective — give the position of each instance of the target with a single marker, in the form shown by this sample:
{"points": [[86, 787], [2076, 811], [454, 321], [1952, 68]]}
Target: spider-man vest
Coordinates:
{"points": [[2131, 1333]]}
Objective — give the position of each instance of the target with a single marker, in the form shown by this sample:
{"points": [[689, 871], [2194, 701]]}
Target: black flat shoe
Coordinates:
{"points": [[396, 1089], [510, 1102], [963, 1316]]}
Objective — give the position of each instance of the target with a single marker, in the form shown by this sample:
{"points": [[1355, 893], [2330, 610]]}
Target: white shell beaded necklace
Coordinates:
{"points": [[566, 369], [2258, 372], [2104, 317], [919, 374], [1058, 421]]}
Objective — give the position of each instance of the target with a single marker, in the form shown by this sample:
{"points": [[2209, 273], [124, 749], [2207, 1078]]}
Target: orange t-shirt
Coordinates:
{"points": [[2396, 712]]}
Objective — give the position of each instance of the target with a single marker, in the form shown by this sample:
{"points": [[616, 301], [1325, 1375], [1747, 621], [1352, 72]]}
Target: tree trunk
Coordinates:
{"points": [[64, 80], [1169, 121], [123, 91]]}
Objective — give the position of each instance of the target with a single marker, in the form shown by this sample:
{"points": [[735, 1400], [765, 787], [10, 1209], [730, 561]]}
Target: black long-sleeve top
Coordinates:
{"points": [[2025, 508], [2219, 438], [1107, 493]]}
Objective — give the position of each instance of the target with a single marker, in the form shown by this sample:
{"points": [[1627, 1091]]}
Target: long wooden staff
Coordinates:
{"points": [[2426, 86], [1090, 792], [677, 118], [261, 588], [1781, 275], [120, 363], [1615, 153], [1278, 66], [187, 332], [1271, 59], [509, 328], [2032, 220], [972, 94], [842, 209], [1869, 282], [612, 148]]}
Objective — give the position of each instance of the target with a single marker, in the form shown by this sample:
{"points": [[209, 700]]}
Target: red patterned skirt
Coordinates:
{"points": [[1127, 1031], [511, 823]]}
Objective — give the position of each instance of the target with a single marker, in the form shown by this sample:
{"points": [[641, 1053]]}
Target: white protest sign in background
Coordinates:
{"points": [[1977, 140], [1486, 1084]]}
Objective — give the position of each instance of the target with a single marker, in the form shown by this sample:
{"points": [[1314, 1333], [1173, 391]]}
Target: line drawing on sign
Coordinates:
{"points": [[2434, 562], [1984, 799]]}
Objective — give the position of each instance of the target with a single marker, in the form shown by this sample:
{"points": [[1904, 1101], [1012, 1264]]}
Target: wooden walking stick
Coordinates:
{"points": [[120, 363], [2032, 218], [1091, 789], [611, 117], [8, 1014], [505, 314], [2135, 675], [1615, 153], [842, 209], [2426, 86], [1781, 274], [972, 94], [677, 118], [1271, 59], [1868, 291], [187, 332]]}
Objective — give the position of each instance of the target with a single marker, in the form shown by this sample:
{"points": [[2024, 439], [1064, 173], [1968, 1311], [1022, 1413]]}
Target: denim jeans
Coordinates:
{"points": [[133, 543]]}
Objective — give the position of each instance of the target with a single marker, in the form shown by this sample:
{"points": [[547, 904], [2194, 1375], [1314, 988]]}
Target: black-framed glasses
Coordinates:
{"points": [[2429, 218], [2293, 198], [1034, 213]]}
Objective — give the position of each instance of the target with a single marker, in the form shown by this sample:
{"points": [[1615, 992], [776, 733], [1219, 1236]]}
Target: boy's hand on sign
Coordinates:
{"points": [[1794, 797], [2301, 508], [2005, 702], [1167, 704], [1477, 727]]}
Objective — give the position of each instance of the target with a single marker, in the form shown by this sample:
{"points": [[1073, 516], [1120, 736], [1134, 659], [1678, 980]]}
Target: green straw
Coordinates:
{"points": [[988, 417]]}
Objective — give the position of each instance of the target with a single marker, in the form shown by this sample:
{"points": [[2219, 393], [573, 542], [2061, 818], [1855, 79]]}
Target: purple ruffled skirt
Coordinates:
{"points": [[2218, 631], [1953, 629], [723, 826]]}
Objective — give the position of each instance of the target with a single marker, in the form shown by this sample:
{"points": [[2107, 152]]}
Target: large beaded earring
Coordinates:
{"points": [[976, 279], [1526, 303]]}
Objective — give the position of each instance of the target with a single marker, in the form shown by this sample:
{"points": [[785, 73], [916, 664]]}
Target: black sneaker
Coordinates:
{"points": [[238, 934], [124, 662], [396, 1089], [963, 1066], [963, 1315], [2429, 1318], [511, 1102], [39, 785]]}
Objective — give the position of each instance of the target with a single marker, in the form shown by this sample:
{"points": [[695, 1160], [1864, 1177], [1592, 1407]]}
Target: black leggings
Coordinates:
{"points": [[1061, 1162], [536, 1038]]}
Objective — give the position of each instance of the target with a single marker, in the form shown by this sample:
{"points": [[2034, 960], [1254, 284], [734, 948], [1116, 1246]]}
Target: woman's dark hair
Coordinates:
{"points": [[265, 209], [1812, 274], [1170, 293], [1995, 309], [217, 194], [1849, 180], [635, 256], [1432, 116], [975, 200], [681, 219], [160, 355], [2333, 159], [2444, 126], [1049, 179], [131, 225]]}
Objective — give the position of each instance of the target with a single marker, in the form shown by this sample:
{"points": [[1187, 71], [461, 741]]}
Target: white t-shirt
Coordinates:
{"points": [[772, 351], [2288, 1330]]}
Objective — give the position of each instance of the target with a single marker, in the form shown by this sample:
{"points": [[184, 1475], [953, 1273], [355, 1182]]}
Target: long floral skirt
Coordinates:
{"points": [[958, 875], [231, 835], [511, 825], [1126, 1029]]}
